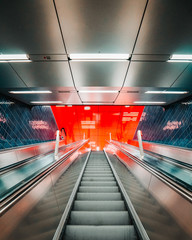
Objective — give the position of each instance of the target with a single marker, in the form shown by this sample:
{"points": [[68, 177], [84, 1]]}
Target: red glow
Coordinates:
{"points": [[97, 123]]}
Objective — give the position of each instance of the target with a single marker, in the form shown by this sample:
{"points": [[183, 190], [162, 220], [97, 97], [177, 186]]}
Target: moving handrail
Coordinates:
{"points": [[31, 159], [161, 157], [6, 203], [164, 178], [170, 160]]}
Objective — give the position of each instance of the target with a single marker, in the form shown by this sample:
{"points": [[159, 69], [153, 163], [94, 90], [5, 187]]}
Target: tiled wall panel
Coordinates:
{"points": [[23, 125], [171, 126]]}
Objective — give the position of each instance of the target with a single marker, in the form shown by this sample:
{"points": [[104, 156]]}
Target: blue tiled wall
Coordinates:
{"points": [[172, 126], [21, 125]]}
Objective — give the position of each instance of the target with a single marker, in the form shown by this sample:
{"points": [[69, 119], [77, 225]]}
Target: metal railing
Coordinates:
{"points": [[164, 178], [9, 201]]}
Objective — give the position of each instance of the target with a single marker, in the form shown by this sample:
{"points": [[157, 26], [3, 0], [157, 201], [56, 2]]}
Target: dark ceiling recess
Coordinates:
{"points": [[132, 91], [63, 91]]}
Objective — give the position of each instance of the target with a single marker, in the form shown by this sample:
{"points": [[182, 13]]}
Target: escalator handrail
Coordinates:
{"points": [[14, 197], [61, 226], [172, 184], [31, 159], [159, 156], [137, 222]]}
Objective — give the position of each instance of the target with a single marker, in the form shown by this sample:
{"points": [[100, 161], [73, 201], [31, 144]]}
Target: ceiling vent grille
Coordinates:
{"points": [[63, 91], [132, 91]]}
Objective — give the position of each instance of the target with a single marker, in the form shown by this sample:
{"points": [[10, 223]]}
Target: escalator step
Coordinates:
{"points": [[99, 206], [99, 196], [98, 175], [98, 189], [98, 183], [99, 233], [99, 218], [98, 178]]}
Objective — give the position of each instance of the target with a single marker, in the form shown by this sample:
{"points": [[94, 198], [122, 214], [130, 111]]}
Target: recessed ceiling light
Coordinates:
{"points": [[167, 92], [127, 106], [148, 102], [14, 61], [99, 57], [30, 92], [174, 61], [98, 91], [46, 102], [14, 58], [180, 58]]}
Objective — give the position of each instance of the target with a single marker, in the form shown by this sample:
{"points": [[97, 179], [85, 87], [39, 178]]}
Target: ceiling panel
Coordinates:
{"points": [[166, 28], [102, 26], [8, 77], [102, 74], [185, 80], [29, 27], [129, 95], [153, 74], [66, 98], [98, 97], [44, 74]]}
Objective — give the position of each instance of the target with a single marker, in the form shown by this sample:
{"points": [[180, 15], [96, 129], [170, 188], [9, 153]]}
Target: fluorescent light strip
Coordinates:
{"points": [[146, 102], [30, 92], [181, 57], [46, 102], [13, 57], [167, 92], [99, 56], [179, 60], [14, 61], [100, 60], [98, 91]]}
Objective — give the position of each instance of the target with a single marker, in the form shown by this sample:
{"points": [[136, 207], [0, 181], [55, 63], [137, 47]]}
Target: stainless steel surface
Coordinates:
{"points": [[129, 95], [184, 81], [15, 155], [180, 154], [141, 230], [42, 205], [98, 98], [164, 192], [103, 74], [158, 223], [166, 28], [150, 30], [44, 74], [93, 205], [66, 213], [171, 182], [153, 74], [100, 27], [8, 77], [13, 198], [29, 27]]}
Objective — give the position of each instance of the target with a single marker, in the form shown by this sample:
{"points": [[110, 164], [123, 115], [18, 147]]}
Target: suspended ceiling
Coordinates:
{"points": [[48, 31]]}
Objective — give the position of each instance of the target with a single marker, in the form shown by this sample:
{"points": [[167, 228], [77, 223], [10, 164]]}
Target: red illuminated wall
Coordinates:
{"points": [[96, 122]]}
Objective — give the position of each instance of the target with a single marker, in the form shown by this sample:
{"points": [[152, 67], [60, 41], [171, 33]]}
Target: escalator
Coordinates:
{"points": [[99, 210], [97, 198]]}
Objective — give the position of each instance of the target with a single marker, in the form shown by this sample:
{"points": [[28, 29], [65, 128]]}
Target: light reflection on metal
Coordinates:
{"points": [[140, 144], [57, 145]]}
